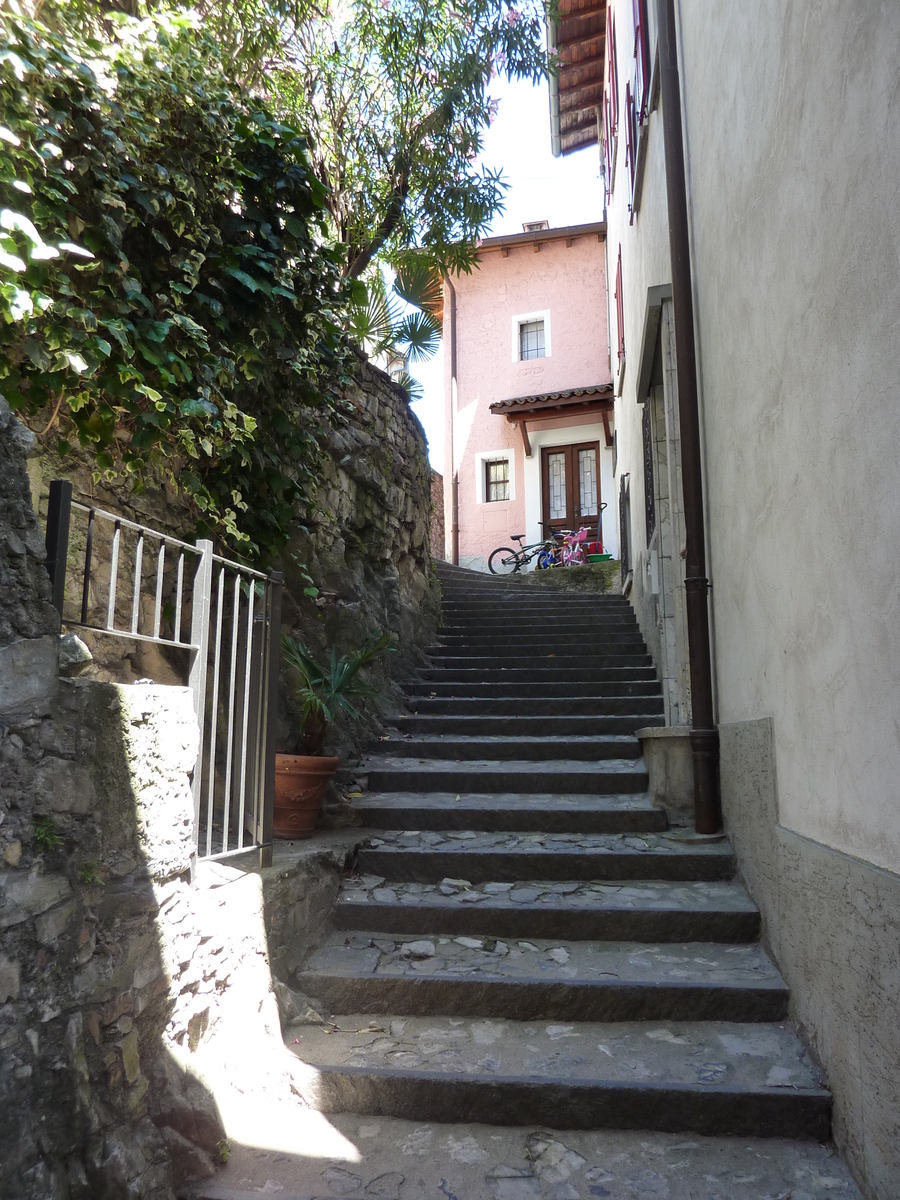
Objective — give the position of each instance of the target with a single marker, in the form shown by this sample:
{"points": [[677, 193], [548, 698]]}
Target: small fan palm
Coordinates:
{"points": [[324, 692]]}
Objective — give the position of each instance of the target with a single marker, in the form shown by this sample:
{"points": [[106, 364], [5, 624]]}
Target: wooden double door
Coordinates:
{"points": [[570, 482]]}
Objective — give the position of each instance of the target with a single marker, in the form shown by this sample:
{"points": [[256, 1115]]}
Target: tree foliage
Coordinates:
{"points": [[166, 282], [398, 95]]}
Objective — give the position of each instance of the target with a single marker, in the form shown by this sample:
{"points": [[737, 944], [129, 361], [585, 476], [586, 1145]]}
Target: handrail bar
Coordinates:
{"points": [[145, 529], [235, 566]]}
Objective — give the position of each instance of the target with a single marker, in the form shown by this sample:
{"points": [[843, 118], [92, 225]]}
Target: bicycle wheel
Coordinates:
{"points": [[544, 560], [503, 561]]}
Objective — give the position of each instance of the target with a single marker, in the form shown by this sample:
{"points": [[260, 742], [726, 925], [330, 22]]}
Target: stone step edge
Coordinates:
{"points": [[667, 926], [526, 999], [601, 1104]]}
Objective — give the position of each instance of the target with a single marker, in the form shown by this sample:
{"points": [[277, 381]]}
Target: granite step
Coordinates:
{"points": [[539, 980], [537, 675], [635, 910], [645, 710], [549, 654], [446, 658], [586, 627], [516, 608], [359, 1156], [564, 635], [489, 724], [448, 747], [693, 1077], [428, 857], [542, 812], [533, 689], [390, 774]]}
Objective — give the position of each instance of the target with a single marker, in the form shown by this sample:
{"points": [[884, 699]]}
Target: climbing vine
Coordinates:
{"points": [[168, 297]]}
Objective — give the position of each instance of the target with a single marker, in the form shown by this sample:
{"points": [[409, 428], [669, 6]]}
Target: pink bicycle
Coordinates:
{"points": [[573, 548]]}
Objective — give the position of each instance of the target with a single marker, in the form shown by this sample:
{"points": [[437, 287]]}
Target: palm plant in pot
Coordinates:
{"points": [[322, 693]]}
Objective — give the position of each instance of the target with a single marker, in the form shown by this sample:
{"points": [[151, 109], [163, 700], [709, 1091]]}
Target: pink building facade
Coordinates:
{"points": [[529, 430]]}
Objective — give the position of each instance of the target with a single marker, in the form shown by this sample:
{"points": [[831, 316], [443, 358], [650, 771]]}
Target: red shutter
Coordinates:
{"points": [[613, 74], [630, 140], [607, 145], [620, 310], [641, 60]]}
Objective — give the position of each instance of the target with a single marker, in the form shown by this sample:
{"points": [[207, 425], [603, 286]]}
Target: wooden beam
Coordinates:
{"points": [[523, 429], [606, 429], [590, 60], [540, 414]]}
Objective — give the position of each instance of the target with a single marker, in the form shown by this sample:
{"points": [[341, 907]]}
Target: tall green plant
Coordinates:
{"points": [[323, 692], [168, 294]]}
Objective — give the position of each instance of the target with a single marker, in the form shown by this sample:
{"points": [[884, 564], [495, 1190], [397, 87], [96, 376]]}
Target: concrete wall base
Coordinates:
{"points": [[667, 754], [830, 922]]}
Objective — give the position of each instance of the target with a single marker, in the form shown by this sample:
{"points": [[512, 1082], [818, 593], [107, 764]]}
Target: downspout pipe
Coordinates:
{"points": [[454, 474], [555, 133], [704, 733]]}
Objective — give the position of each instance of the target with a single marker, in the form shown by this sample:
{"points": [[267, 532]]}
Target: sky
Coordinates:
{"points": [[563, 191]]}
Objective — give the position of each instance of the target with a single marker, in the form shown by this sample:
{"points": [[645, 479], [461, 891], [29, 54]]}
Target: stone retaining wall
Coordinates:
{"points": [[363, 542], [132, 996]]}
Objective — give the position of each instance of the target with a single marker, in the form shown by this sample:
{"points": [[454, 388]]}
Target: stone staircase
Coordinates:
{"points": [[524, 942]]}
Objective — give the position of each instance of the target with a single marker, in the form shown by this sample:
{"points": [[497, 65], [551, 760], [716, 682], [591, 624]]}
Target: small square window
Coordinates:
{"points": [[496, 479], [531, 339]]}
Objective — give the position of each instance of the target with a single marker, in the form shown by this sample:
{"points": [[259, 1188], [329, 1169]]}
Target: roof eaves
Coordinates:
{"points": [[543, 235]]}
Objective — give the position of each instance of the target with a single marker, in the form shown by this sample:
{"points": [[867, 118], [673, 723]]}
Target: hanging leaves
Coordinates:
{"points": [[164, 268]]}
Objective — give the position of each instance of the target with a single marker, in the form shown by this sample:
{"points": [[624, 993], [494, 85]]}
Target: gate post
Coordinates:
{"points": [[272, 668], [57, 539], [201, 598]]}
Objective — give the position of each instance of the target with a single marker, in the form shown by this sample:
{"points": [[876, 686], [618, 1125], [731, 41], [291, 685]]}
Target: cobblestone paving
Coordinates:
{"points": [[544, 959], [596, 843], [700, 895], [713, 1053], [407, 1160]]}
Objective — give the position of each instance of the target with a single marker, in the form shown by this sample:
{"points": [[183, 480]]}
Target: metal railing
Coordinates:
{"points": [[137, 583]]}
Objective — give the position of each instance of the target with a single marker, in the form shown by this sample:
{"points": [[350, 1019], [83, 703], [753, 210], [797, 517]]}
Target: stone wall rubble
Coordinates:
{"points": [[135, 990]]}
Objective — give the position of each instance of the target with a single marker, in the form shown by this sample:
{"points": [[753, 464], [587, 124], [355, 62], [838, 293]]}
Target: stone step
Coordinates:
{"points": [[644, 710], [692, 1077], [534, 690], [585, 626], [515, 609], [448, 747], [515, 775], [387, 1157], [537, 676], [541, 812], [595, 635], [645, 910], [480, 857], [544, 980], [520, 726], [606, 668], [622, 641]]}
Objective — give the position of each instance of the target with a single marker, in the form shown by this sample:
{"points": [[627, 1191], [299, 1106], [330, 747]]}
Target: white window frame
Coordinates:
{"points": [[522, 319], [486, 456]]}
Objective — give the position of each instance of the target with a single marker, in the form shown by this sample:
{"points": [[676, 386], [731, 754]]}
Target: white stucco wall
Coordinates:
{"points": [[794, 163]]}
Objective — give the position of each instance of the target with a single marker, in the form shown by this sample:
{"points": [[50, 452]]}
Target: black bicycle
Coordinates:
{"points": [[507, 561]]}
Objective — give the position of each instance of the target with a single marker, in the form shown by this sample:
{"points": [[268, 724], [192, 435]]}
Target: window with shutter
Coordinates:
{"points": [[641, 61], [630, 140], [496, 480], [611, 102], [620, 310]]}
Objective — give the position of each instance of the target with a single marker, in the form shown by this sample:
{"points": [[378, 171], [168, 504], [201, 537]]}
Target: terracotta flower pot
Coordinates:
{"points": [[300, 783]]}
